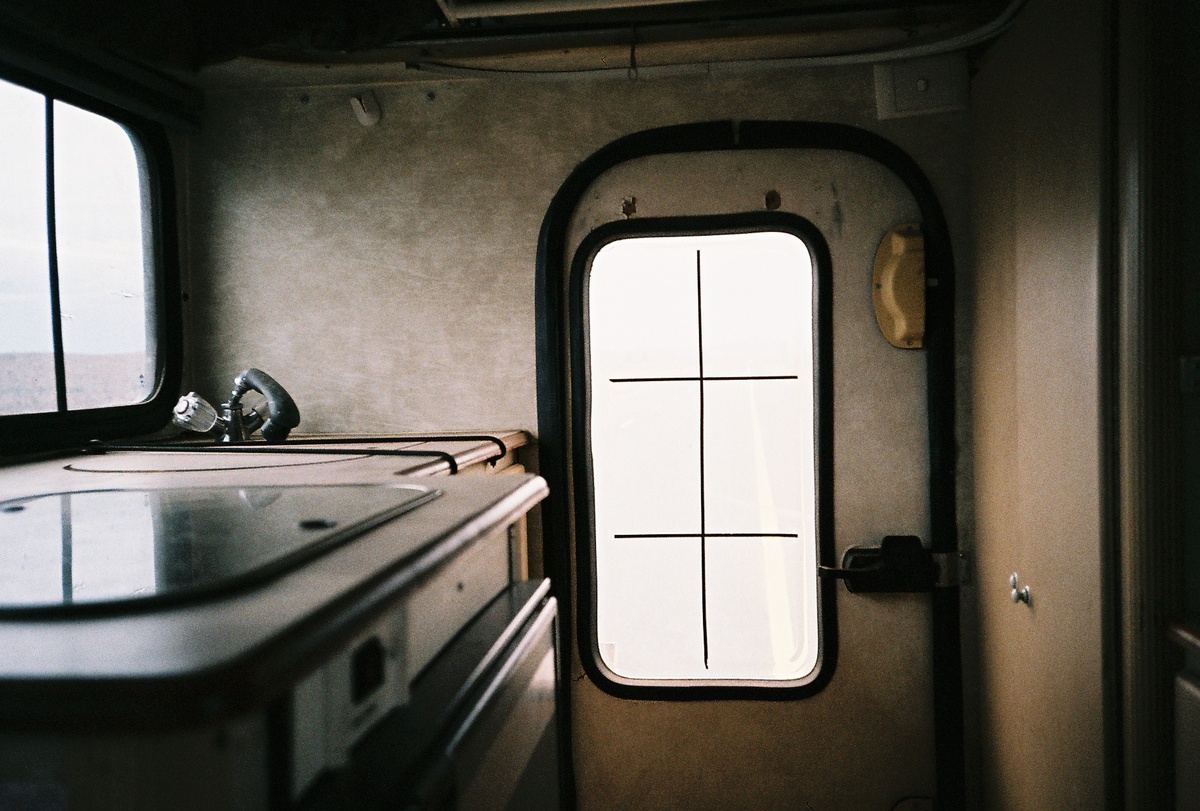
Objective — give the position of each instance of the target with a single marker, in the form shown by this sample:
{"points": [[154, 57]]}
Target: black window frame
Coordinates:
{"points": [[44, 431], [585, 539]]}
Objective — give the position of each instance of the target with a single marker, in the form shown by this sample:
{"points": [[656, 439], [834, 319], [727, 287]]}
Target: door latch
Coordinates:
{"points": [[899, 564]]}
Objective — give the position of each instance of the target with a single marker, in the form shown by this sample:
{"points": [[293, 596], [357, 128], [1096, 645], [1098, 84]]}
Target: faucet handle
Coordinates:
{"points": [[194, 413]]}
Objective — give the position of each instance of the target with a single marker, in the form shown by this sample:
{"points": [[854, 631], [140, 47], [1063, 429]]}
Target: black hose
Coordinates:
{"points": [[282, 416]]}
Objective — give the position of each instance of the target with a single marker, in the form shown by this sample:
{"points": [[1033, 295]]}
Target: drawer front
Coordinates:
{"points": [[440, 606]]}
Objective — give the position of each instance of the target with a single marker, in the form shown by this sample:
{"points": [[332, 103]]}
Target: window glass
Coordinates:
{"points": [[102, 267], [76, 269], [702, 432], [27, 382]]}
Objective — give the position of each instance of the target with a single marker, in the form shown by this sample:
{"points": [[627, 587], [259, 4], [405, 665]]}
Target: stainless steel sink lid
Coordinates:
{"points": [[119, 550]]}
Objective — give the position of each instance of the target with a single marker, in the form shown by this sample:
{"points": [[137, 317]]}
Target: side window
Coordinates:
{"points": [[78, 285], [701, 434]]}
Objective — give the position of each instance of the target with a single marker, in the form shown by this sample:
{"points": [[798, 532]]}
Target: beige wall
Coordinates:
{"points": [[385, 275], [1038, 181]]}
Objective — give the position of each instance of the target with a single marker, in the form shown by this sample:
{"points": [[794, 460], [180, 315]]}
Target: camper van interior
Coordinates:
{"points": [[599, 404]]}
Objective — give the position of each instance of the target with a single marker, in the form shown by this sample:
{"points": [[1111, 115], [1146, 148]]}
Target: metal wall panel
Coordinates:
{"points": [[1039, 165]]}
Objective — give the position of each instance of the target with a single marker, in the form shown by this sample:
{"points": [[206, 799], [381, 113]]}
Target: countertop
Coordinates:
{"points": [[221, 656]]}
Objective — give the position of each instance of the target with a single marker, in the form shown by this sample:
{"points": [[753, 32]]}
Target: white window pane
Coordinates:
{"points": [[704, 575], [757, 305], [27, 382], [642, 310], [648, 612], [758, 451], [761, 622], [102, 261], [646, 457]]}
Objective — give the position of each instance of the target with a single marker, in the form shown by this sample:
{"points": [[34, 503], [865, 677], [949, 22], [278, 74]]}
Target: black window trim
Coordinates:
{"points": [[553, 393], [36, 432], [585, 551]]}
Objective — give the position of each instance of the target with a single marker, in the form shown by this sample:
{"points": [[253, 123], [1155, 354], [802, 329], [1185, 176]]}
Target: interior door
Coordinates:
{"points": [[867, 715]]}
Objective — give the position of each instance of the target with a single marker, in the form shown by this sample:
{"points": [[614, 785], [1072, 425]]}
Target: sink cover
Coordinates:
{"points": [[138, 548]]}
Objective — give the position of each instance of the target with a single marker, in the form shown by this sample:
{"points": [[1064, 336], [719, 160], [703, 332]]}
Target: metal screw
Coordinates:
{"points": [[1019, 595]]}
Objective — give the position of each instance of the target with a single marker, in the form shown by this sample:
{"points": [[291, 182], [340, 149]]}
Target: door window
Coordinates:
{"points": [[702, 423]]}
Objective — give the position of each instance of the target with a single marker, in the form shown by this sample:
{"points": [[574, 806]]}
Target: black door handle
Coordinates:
{"points": [[899, 564]]}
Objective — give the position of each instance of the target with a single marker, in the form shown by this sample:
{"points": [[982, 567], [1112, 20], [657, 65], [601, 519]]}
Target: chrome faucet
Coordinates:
{"points": [[277, 415]]}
